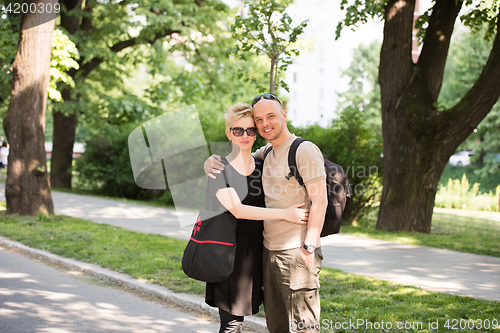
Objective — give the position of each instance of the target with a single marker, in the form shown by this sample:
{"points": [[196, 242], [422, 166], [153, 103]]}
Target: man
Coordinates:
{"points": [[292, 256]]}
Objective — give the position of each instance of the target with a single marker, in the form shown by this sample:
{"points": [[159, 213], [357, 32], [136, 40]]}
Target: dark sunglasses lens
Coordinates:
{"points": [[252, 131], [238, 131]]}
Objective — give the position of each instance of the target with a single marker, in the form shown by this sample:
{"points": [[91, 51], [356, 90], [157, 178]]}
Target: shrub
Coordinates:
{"points": [[105, 166], [459, 194]]}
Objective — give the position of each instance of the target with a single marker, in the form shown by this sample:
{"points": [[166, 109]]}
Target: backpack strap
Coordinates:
{"points": [[268, 150], [292, 161]]}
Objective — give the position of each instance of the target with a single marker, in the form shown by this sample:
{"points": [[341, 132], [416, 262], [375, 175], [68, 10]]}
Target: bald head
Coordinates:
{"points": [[270, 119]]}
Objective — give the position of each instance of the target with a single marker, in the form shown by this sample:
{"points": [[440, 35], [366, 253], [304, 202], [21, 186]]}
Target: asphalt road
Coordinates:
{"points": [[38, 298]]}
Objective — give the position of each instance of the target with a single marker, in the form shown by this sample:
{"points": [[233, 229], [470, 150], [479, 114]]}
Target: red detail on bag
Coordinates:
{"points": [[213, 242], [197, 225]]}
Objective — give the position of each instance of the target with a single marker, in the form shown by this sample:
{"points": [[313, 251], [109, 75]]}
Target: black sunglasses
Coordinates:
{"points": [[265, 96], [238, 131]]}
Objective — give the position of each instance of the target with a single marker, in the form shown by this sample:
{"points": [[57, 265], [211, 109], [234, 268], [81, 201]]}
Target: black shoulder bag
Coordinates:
{"points": [[209, 254]]}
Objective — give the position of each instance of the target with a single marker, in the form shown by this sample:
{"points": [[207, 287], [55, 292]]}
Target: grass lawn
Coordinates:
{"points": [[347, 299], [452, 232]]}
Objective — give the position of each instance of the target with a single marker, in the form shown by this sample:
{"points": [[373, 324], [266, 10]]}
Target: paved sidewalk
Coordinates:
{"points": [[178, 322], [36, 297], [429, 268]]}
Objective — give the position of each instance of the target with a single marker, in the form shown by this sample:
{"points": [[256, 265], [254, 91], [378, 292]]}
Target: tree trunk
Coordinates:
{"points": [[418, 138], [62, 150], [27, 189], [272, 79], [65, 125], [413, 164]]}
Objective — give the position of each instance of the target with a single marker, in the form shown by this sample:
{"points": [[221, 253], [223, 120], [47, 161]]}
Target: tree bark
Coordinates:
{"points": [[419, 139], [27, 189], [272, 84], [64, 131], [62, 148]]}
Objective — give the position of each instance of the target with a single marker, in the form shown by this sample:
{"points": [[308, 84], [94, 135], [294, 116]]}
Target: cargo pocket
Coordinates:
{"points": [[303, 277], [306, 310]]}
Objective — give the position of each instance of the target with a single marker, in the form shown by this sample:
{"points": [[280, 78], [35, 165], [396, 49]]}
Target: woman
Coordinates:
{"points": [[4, 153], [241, 293]]}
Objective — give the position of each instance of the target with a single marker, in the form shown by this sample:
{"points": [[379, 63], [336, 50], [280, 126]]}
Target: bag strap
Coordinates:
{"points": [[207, 195], [292, 161]]}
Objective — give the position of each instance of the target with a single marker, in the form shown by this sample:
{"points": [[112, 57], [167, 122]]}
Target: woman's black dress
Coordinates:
{"points": [[241, 293]]}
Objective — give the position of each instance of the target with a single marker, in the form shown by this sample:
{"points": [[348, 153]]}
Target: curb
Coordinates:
{"points": [[192, 302]]}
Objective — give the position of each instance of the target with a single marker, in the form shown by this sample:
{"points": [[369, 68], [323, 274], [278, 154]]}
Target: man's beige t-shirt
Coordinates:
{"points": [[282, 193]]}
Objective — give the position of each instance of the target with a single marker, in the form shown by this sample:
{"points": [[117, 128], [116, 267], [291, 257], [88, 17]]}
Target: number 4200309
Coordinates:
{"points": [[461, 324], [33, 8]]}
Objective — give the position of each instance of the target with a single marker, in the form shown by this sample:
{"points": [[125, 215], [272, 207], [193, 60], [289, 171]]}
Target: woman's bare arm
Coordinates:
{"points": [[230, 200]]}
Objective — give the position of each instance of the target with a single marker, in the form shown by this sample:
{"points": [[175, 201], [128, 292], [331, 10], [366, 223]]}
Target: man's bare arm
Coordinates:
{"points": [[212, 165], [319, 203]]}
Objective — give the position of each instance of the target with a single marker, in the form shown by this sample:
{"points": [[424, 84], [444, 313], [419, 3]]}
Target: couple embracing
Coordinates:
{"points": [[278, 255]]}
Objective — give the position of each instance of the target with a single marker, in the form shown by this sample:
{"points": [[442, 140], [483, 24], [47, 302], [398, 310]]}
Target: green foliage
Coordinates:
{"points": [[459, 194], [463, 67], [487, 182], [363, 91], [63, 57], [359, 12], [105, 167], [268, 31], [485, 13], [355, 140], [8, 49], [140, 70], [476, 16], [209, 77], [174, 75]]}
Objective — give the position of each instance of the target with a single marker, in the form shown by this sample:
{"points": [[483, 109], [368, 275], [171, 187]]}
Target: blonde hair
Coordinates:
{"points": [[237, 111]]}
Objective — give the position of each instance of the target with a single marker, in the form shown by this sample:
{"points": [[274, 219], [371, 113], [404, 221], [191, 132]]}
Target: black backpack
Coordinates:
{"points": [[337, 186]]}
